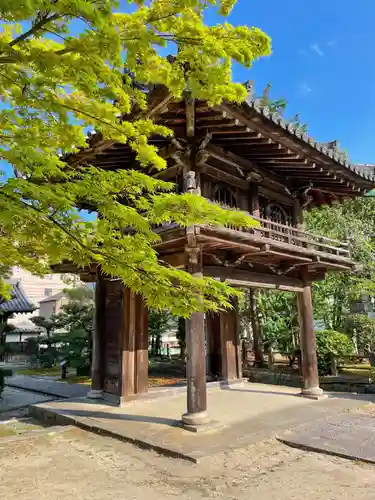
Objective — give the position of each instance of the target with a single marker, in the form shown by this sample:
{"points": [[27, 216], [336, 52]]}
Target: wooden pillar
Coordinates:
{"points": [[120, 365], [223, 339], [196, 356], [310, 374], [98, 334], [254, 207], [134, 347], [231, 368], [256, 328], [297, 214]]}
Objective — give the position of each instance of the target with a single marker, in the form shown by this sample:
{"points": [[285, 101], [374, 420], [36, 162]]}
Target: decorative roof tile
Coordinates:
{"points": [[19, 303], [325, 148]]}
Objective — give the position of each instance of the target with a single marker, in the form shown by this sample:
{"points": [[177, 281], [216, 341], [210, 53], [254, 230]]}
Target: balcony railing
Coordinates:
{"points": [[281, 235], [290, 235]]}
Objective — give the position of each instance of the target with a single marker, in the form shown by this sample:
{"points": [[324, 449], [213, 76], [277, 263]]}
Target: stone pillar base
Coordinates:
{"points": [[199, 418], [313, 393], [199, 422], [95, 394]]}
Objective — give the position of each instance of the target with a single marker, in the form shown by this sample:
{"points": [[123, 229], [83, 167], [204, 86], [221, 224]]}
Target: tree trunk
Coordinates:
{"points": [[271, 358], [182, 351], [255, 324], [158, 344]]}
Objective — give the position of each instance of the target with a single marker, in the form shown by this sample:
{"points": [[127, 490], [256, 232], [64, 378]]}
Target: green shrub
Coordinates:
{"points": [[331, 343]]}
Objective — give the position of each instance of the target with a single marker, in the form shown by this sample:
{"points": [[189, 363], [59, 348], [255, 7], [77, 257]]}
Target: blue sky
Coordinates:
{"points": [[323, 64]]}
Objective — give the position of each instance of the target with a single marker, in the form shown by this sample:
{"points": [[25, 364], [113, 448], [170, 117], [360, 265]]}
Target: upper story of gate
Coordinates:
{"points": [[245, 157]]}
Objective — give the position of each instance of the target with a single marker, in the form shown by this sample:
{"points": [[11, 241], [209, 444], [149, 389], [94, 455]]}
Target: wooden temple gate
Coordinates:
{"points": [[242, 157]]}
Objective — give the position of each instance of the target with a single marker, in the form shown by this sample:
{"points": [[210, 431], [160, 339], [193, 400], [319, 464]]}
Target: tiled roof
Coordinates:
{"points": [[366, 167], [19, 303], [53, 298], [329, 149], [26, 330]]}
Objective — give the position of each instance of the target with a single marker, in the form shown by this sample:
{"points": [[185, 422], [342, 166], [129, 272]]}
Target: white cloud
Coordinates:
{"points": [[305, 88], [331, 43], [302, 52], [316, 48]]}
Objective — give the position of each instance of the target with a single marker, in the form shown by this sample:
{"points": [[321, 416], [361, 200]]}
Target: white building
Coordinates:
{"points": [[37, 289]]}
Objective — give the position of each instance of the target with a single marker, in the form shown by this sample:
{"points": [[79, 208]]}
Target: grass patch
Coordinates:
{"points": [[356, 372], [43, 372], [357, 366], [74, 379]]}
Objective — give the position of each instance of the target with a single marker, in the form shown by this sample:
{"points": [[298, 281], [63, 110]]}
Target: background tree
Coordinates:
{"points": [[181, 336], [354, 221], [159, 323], [48, 324], [76, 321], [330, 343], [56, 83], [279, 320], [361, 329]]}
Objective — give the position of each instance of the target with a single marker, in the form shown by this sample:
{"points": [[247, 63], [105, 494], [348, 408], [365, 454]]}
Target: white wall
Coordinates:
{"points": [[35, 289]]}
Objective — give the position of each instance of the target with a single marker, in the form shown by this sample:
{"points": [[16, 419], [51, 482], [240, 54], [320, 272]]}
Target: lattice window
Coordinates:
{"points": [[224, 196], [277, 214]]}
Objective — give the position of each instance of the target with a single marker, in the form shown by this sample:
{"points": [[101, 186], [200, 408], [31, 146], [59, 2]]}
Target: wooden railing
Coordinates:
{"points": [[285, 235], [293, 236]]}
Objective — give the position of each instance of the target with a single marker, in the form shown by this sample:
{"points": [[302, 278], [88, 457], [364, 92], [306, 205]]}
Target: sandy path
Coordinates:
{"points": [[76, 464]]}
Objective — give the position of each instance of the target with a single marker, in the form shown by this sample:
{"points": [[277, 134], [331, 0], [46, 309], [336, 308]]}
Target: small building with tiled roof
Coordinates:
{"points": [[52, 305], [18, 303]]}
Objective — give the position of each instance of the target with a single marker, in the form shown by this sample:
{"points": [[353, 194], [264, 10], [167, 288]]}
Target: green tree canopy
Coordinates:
{"points": [[61, 74], [354, 221]]}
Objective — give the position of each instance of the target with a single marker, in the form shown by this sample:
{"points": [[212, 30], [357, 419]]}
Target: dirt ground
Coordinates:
{"points": [[80, 465]]}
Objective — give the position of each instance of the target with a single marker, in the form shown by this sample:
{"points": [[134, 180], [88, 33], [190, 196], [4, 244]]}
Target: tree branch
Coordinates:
{"points": [[34, 29]]}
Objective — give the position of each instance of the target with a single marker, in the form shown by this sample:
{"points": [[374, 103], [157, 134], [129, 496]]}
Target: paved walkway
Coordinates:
{"points": [[13, 399], [248, 415], [346, 435], [46, 386]]}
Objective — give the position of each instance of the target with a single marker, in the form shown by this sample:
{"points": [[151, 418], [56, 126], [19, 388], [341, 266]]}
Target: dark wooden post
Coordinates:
{"points": [[196, 359], [141, 344], [297, 214], [230, 345], [310, 374], [254, 207], [98, 334], [120, 365]]}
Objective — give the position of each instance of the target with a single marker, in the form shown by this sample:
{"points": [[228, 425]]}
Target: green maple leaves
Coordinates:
{"points": [[56, 82]]}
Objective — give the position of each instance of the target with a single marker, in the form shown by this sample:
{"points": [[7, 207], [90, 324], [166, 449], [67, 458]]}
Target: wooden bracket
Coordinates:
{"points": [[203, 143], [191, 237], [193, 254], [202, 157]]}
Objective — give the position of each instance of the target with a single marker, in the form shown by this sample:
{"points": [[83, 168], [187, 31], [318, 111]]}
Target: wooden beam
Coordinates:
{"points": [[177, 259], [253, 120], [190, 116], [238, 161], [217, 124], [223, 176], [239, 277], [160, 107], [168, 173]]}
